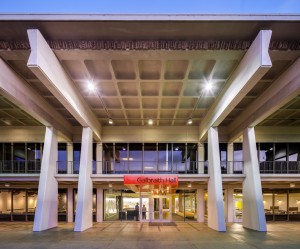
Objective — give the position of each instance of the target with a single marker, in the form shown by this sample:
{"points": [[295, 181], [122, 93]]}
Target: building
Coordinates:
{"points": [[149, 118]]}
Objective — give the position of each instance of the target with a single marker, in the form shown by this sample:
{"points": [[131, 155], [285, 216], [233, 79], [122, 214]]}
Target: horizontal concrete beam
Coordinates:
{"points": [[255, 63], [19, 92], [45, 65], [283, 90]]}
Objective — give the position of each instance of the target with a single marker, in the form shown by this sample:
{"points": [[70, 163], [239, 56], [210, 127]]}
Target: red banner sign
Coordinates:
{"points": [[151, 180]]}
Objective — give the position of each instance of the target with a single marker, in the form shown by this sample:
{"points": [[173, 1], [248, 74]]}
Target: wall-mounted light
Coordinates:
{"points": [[190, 121], [292, 185], [189, 185], [110, 185], [7, 185]]}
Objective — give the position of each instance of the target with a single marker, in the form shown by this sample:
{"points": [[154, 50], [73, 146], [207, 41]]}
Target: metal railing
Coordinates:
{"points": [[20, 167], [279, 167], [232, 167], [150, 167]]}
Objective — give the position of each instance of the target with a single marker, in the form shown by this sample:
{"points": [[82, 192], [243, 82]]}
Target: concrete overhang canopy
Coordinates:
{"points": [[151, 66]]}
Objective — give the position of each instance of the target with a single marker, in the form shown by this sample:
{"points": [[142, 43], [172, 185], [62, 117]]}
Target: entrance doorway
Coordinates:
{"points": [[162, 208]]}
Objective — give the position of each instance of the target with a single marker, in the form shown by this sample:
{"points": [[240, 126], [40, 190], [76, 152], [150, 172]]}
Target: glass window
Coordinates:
{"points": [[5, 205], [223, 157], [121, 158], [238, 158], [238, 205], [112, 205], [165, 157], [62, 201], [108, 157], [268, 204], [266, 158], [294, 158], [294, 152], [76, 157], [62, 162], [130, 205], [192, 156], [294, 205], [19, 158], [34, 157], [150, 157], [135, 160], [266, 152], [280, 205], [19, 204], [179, 158], [280, 158]]}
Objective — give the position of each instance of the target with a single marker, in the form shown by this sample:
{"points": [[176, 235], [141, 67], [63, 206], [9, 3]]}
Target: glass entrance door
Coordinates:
{"points": [[162, 207]]}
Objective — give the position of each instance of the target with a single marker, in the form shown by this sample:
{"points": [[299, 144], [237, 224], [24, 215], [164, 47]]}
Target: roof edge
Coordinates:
{"points": [[147, 17]]}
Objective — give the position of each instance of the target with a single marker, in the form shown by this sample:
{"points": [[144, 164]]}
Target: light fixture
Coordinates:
{"points": [[7, 185], [150, 122], [123, 148], [110, 185], [176, 148], [110, 121], [208, 86], [189, 185], [292, 185], [91, 86], [190, 121]]}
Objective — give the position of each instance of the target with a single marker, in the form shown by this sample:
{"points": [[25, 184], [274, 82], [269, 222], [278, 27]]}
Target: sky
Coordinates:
{"points": [[151, 6]]}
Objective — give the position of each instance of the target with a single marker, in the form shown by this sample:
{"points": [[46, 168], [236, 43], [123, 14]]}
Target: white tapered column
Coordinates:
{"points": [[253, 207], [216, 218], [47, 201], [84, 207]]}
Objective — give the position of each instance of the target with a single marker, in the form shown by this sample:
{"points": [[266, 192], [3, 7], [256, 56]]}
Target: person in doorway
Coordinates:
{"points": [[137, 211], [144, 210]]}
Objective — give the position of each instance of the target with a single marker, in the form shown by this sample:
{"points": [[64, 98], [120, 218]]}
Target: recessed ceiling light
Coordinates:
{"points": [[150, 121], [208, 86], [190, 121], [91, 86]]}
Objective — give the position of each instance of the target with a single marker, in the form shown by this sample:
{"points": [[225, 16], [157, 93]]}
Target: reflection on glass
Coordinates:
{"points": [[150, 157], [294, 205], [32, 199], [19, 201], [112, 200], [179, 158], [238, 205], [5, 205], [62, 201]]}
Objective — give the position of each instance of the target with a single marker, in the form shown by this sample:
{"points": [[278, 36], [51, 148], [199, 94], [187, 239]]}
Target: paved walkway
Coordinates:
{"points": [[280, 235]]}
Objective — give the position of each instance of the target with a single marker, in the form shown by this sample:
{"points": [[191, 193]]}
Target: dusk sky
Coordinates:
{"points": [[152, 7]]}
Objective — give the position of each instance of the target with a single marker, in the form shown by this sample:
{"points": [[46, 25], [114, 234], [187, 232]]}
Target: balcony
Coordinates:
{"points": [[232, 167], [150, 167], [20, 167], [279, 167]]}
